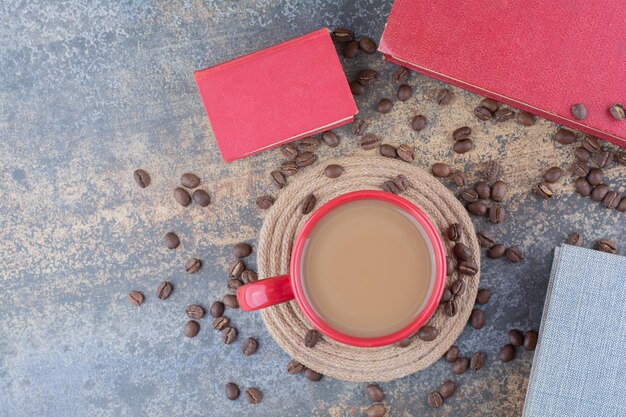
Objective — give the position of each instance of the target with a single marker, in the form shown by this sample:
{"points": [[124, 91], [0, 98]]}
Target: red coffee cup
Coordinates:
{"points": [[271, 291]]}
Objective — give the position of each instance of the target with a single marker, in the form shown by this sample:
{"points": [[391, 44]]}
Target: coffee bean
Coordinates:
{"points": [[553, 174], [164, 290], [582, 186], [308, 204], [496, 251], [496, 214], [477, 208], [135, 298], [514, 254], [530, 340], [575, 239], [384, 106], [460, 366], [482, 113], [492, 171], [217, 309], [388, 151], [611, 200], [544, 190], [483, 190], [418, 123], [503, 115], [367, 76], [435, 400], [446, 296], [462, 132], [278, 179], [580, 168], [182, 197], [579, 111], [441, 170], [427, 333], [230, 301], [309, 144], [142, 178], [351, 49], [582, 154], [342, 35], [289, 150], [463, 146], [447, 389], [192, 328], [403, 343], [367, 45], [483, 296], [603, 159], [462, 252], [477, 361], [450, 308], [294, 367], [498, 190], [376, 410], [189, 180], [330, 138], [288, 168], [248, 276], [402, 182], [312, 375], [333, 171], [405, 92], [201, 198], [621, 206], [220, 323], [477, 319], [359, 126], [236, 269], [485, 239], [459, 178], [249, 346], [400, 75], [469, 195], [171, 240], [565, 137], [599, 192], [458, 287], [620, 158], [618, 112], [356, 88], [228, 335], [507, 353], [469, 268], [405, 152], [264, 202], [490, 104], [375, 393], [196, 312], [591, 144], [391, 187], [193, 265], [525, 118], [241, 250], [254, 395], [369, 141], [305, 159], [232, 391], [452, 354], [311, 338], [455, 231], [515, 338], [233, 284], [449, 265], [606, 245], [444, 97]]}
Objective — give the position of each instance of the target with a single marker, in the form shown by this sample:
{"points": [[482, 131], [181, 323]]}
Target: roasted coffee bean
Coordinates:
{"points": [[603, 159], [503, 115], [217, 309], [530, 340], [507, 353], [620, 158], [514, 254], [351, 49], [496, 251], [595, 176], [462, 252], [359, 126], [201, 198], [516, 338], [449, 265], [402, 182], [496, 214], [230, 301], [403, 343], [220, 323], [232, 391], [580, 168], [400, 75], [375, 393], [294, 367], [236, 269], [171, 240], [142, 178], [618, 112], [462, 132], [228, 335], [582, 154], [490, 104], [582, 186], [469, 268], [418, 122], [441, 170], [233, 284], [599, 192], [342, 35], [460, 366], [591, 144], [485, 239], [135, 298], [459, 178], [477, 361], [241, 250], [575, 239], [356, 88], [405, 152], [455, 231], [333, 171], [544, 190], [391, 187], [427, 333], [483, 189], [182, 197], [254, 395], [288, 168], [446, 296], [606, 245], [483, 296], [621, 207], [458, 287], [384, 106], [452, 354], [611, 200], [477, 208], [553, 174], [498, 190], [477, 319], [196, 312], [376, 410], [525, 118], [309, 204], [492, 171], [444, 97], [388, 151], [367, 76], [405, 92], [469, 195], [189, 180], [278, 179], [249, 276], [305, 159], [463, 146], [435, 400], [564, 136], [312, 375], [482, 113], [369, 141], [330, 138], [249, 346], [264, 202], [192, 328], [447, 389], [193, 265], [309, 144], [579, 111], [367, 45], [450, 308], [289, 150], [311, 338], [164, 290]]}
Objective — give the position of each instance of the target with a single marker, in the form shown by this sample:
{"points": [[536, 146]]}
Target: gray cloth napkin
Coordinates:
{"points": [[579, 367]]}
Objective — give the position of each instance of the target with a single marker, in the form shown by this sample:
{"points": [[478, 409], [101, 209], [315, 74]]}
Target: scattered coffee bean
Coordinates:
{"points": [[312, 375], [544, 190], [477, 361], [171, 240], [311, 338], [618, 112], [405, 92], [289, 150], [254, 395], [217, 309], [446, 296], [469, 195], [402, 182], [241, 250], [294, 367], [356, 88], [498, 190], [579, 111], [384, 106], [192, 328], [376, 410], [611, 200], [333, 171], [603, 159], [514, 254], [288, 168], [142, 178], [553, 174], [232, 391], [278, 179], [496, 214], [460, 366], [582, 187], [196, 312], [249, 346], [575, 239], [477, 319], [308, 204], [595, 176], [375, 393], [620, 158], [459, 178], [507, 353], [503, 115], [463, 146], [606, 245], [449, 265], [230, 301], [447, 389], [483, 190], [418, 123], [516, 338], [342, 35], [330, 138], [193, 265], [351, 49], [201, 198], [450, 308], [164, 290], [452, 354], [427, 333], [496, 251], [388, 151], [309, 144], [441, 170], [485, 239], [135, 298], [444, 97], [525, 119], [367, 76], [482, 113], [435, 400], [469, 268], [359, 126], [189, 180], [490, 104], [483, 296], [233, 284], [391, 187], [182, 197], [582, 154], [580, 168], [220, 323], [236, 269], [403, 343], [405, 152], [621, 207], [305, 159], [462, 132], [462, 252], [228, 335], [477, 208], [400, 75], [530, 340], [455, 231], [492, 171], [367, 45], [369, 141], [458, 287], [591, 144], [264, 202], [564, 136], [248, 276]]}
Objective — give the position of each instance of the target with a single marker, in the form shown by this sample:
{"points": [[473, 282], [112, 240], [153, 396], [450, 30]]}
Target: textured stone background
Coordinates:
{"points": [[90, 91]]}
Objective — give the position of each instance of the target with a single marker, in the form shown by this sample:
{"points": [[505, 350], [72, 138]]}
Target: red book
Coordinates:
{"points": [[276, 95], [541, 56]]}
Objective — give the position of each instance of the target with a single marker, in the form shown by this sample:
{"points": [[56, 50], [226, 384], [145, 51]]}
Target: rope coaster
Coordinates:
{"points": [[286, 323]]}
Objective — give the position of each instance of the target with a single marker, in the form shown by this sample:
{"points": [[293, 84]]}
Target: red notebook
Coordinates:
{"points": [[541, 56], [276, 95]]}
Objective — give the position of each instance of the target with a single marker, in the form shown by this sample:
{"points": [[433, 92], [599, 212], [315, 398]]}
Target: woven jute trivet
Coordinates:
{"points": [[286, 323]]}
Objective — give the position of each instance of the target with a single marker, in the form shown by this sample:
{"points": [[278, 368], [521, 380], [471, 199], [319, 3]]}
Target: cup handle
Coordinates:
{"points": [[265, 293]]}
